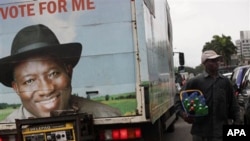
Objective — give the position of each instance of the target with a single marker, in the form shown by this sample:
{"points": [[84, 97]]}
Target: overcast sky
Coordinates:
{"points": [[196, 21]]}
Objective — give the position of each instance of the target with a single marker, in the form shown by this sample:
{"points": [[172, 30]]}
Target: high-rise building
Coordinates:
{"points": [[243, 47]]}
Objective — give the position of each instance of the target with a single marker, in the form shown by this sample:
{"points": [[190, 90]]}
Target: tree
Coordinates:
{"points": [[199, 69], [223, 46], [190, 70], [107, 97]]}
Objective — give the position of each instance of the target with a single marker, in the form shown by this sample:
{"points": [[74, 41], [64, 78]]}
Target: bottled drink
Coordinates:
{"points": [[184, 95], [187, 106], [195, 107], [192, 110], [205, 110], [192, 102], [202, 99], [193, 95], [186, 101], [199, 111], [196, 100]]}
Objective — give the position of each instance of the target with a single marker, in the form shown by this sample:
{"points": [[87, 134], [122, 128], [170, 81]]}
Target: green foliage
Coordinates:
{"points": [[107, 97], [223, 46], [3, 105], [190, 70], [196, 70], [199, 69], [126, 106], [126, 102], [115, 97], [6, 105], [5, 112]]}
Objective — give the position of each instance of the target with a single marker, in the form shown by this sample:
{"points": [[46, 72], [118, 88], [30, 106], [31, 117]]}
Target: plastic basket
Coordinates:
{"points": [[194, 102]]}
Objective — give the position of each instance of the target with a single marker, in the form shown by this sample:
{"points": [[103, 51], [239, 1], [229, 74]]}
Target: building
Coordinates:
{"points": [[243, 48]]}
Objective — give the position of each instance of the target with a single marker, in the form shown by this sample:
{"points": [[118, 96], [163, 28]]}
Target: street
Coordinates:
{"points": [[181, 133]]}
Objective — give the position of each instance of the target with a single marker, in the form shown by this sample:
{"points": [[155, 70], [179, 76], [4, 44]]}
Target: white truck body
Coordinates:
{"points": [[127, 54]]}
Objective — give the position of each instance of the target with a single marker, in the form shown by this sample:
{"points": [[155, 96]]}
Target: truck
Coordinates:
{"points": [[126, 63]]}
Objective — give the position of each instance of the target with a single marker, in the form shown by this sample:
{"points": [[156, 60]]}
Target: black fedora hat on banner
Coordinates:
{"points": [[36, 39]]}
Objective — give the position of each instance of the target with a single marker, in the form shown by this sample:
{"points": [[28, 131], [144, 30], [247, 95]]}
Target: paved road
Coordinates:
{"points": [[181, 133]]}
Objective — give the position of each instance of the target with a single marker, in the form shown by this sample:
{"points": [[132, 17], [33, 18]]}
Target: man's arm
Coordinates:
{"points": [[234, 108]]}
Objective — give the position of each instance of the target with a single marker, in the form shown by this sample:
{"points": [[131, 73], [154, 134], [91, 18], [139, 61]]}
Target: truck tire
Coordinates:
{"points": [[153, 132]]}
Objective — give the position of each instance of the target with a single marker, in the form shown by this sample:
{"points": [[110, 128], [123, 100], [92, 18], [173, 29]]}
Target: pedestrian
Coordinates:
{"points": [[221, 102], [40, 70]]}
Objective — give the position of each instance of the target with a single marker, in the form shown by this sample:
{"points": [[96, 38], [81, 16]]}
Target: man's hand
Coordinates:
{"points": [[187, 118]]}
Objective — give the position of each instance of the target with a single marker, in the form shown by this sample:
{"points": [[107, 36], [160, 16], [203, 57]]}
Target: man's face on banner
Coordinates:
{"points": [[43, 84]]}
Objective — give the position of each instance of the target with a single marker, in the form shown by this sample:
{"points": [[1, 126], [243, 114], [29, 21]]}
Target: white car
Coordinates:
{"points": [[228, 74]]}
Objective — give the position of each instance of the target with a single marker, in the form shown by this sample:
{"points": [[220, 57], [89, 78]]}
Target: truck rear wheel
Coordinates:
{"points": [[153, 132]]}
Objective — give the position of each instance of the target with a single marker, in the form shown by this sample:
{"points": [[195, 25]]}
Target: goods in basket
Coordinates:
{"points": [[194, 103]]}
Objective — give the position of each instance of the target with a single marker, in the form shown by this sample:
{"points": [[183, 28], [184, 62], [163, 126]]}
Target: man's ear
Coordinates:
{"points": [[15, 87], [69, 70]]}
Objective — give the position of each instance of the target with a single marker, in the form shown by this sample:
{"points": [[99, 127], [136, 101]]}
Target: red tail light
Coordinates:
{"points": [[123, 134], [8, 138], [115, 135], [120, 134], [138, 133]]}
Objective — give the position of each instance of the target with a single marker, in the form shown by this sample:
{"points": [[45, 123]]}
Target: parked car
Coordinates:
{"points": [[228, 74], [240, 79], [238, 74]]}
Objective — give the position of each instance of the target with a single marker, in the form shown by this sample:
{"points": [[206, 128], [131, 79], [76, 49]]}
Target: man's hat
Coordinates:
{"points": [[209, 54], [36, 39]]}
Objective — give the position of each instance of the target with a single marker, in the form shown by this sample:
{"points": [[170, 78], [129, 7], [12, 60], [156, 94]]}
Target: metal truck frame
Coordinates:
{"points": [[127, 59]]}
